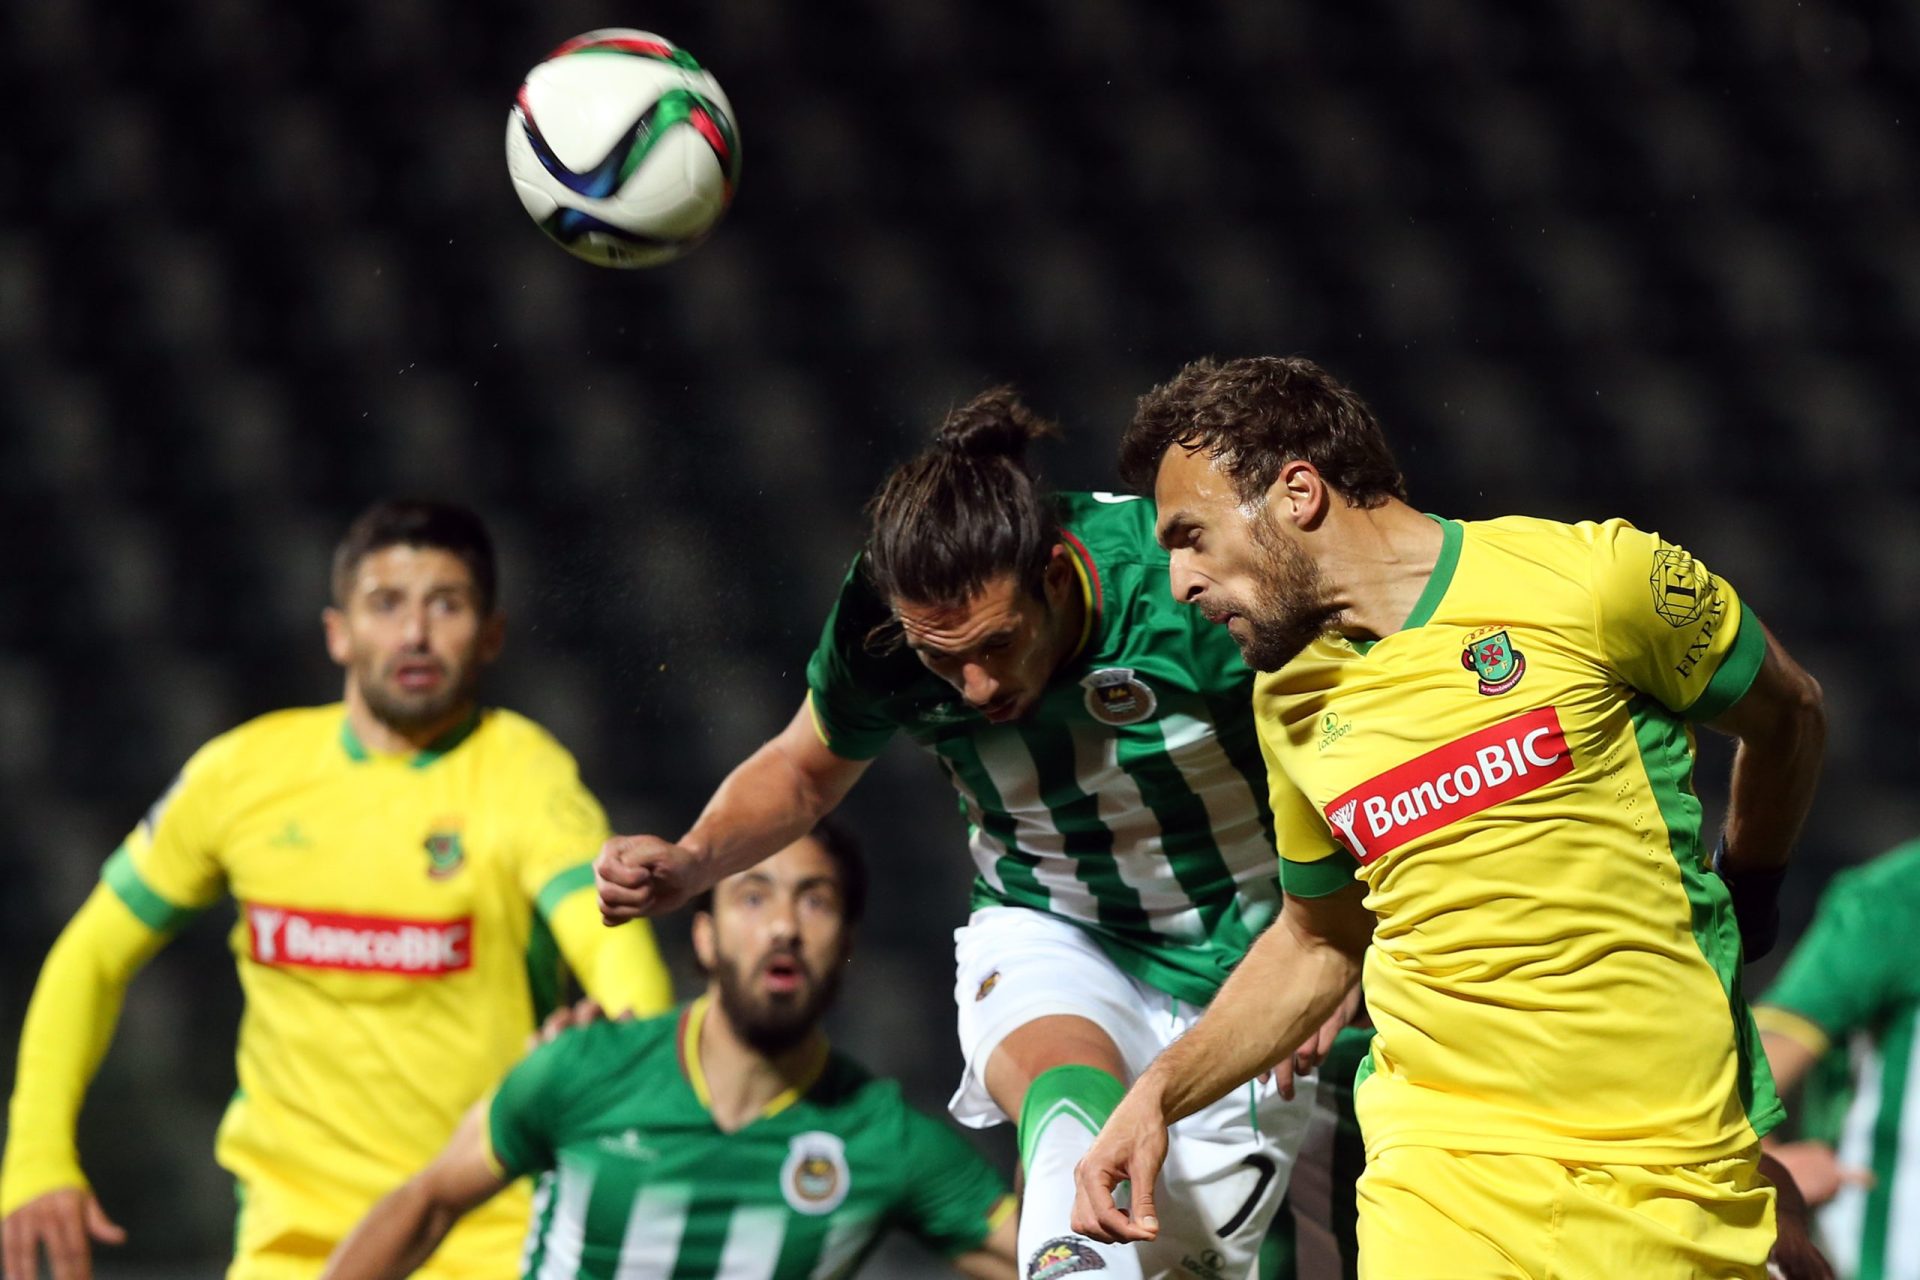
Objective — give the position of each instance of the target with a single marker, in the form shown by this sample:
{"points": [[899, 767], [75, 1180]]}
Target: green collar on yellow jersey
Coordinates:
{"points": [[1437, 582], [357, 750]]}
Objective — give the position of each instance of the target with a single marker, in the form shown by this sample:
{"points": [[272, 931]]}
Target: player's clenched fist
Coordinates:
{"points": [[645, 876], [61, 1222], [1131, 1148]]}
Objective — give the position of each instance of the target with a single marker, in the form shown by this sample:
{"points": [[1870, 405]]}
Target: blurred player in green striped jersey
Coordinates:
{"points": [[726, 1141], [1851, 987], [1101, 740]]}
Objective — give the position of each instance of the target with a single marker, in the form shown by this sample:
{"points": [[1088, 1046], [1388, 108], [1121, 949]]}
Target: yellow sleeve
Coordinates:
{"points": [[1669, 627], [69, 1023], [1312, 863], [619, 967], [169, 867], [565, 827]]}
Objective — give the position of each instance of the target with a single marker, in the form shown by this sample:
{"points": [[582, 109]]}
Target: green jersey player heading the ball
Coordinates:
{"points": [[726, 1141], [1100, 740]]}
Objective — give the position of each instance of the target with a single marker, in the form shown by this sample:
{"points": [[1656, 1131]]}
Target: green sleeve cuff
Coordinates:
{"points": [[1736, 672], [1329, 875], [148, 907], [501, 1156], [562, 886]]}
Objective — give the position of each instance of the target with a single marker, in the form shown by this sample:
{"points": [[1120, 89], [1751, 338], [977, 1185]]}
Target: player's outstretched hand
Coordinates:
{"points": [[1131, 1148], [1314, 1052], [61, 1222], [644, 876]]}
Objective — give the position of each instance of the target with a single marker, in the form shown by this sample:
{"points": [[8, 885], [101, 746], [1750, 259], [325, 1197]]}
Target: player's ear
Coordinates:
{"points": [[1056, 581], [339, 644], [1298, 495], [493, 635], [703, 941]]}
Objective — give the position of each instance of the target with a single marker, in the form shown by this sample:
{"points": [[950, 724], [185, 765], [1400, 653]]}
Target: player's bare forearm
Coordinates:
{"points": [[395, 1238], [771, 799], [401, 1232], [1781, 726], [1292, 978]]}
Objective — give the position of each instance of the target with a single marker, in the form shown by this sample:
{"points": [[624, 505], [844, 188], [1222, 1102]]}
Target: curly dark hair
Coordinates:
{"points": [[966, 509], [1254, 415]]}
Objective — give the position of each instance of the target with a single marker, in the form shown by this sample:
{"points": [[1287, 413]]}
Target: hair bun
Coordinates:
{"points": [[994, 424]]}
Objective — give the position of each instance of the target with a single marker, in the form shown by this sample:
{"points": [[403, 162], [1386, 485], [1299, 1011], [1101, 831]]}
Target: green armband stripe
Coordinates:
{"points": [[563, 885], [1736, 672], [1330, 874], [152, 910]]}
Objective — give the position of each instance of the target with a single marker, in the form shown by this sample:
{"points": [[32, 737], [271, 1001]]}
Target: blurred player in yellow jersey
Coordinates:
{"points": [[412, 874], [1479, 743]]}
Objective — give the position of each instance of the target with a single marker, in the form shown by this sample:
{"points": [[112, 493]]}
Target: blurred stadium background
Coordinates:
{"points": [[259, 264]]}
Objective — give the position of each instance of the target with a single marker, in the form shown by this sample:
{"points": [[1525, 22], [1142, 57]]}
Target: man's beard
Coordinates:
{"points": [[773, 1025], [411, 712], [1289, 610]]}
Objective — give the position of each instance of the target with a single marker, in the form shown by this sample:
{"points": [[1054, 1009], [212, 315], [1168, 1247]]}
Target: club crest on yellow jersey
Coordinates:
{"points": [[446, 854], [815, 1178], [1490, 655]]}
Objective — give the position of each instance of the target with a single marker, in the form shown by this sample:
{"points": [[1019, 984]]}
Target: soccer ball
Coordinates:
{"points": [[623, 148]]}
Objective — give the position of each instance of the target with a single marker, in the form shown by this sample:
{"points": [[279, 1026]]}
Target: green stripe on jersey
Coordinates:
{"points": [[153, 911], [1666, 751], [562, 885]]}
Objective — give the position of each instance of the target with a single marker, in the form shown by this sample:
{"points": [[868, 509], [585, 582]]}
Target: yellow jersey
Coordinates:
{"points": [[402, 920], [1554, 970]]}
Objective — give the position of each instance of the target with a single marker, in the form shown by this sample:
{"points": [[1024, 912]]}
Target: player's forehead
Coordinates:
{"points": [[802, 865], [408, 567], [997, 609], [1188, 490]]}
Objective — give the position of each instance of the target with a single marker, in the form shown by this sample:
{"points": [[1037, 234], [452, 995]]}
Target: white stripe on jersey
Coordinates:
{"points": [[1138, 858], [542, 1193], [1233, 809], [655, 1223], [567, 1233], [1006, 760], [1903, 1208], [1843, 1219], [754, 1237], [847, 1235]]}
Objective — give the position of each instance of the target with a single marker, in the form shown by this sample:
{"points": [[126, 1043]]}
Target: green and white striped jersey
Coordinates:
{"points": [[1854, 981], [638, 1184], [1132, 800]]}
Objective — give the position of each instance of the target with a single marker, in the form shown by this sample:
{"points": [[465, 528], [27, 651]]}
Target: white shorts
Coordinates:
{"points": [[1227, 1164]]}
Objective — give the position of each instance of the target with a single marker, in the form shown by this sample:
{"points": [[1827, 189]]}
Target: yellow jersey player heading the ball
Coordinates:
{"points": [[1479, 741], [412, 877]]}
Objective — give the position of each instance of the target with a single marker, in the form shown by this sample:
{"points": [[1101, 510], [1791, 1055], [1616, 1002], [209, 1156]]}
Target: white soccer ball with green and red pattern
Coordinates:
{"points": [[623, 148]]}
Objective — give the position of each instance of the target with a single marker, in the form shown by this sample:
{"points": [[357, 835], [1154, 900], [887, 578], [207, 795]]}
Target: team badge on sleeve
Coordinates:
{"points": [[1115, 695], [1680, 586], [1493, 658], [815, 1179]]}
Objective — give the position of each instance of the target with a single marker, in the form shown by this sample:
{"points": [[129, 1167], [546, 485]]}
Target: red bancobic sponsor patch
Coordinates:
{"points": [[359, 944], [1452, 782]]}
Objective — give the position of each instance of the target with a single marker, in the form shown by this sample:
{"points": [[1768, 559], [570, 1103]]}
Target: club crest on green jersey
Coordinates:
{"points": [[1492, 657], [815, 1178], [1115, 695], [445, 852]]}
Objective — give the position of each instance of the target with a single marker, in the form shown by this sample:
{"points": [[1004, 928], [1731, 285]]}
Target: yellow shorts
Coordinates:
{"points": [[1428, 1214]]}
